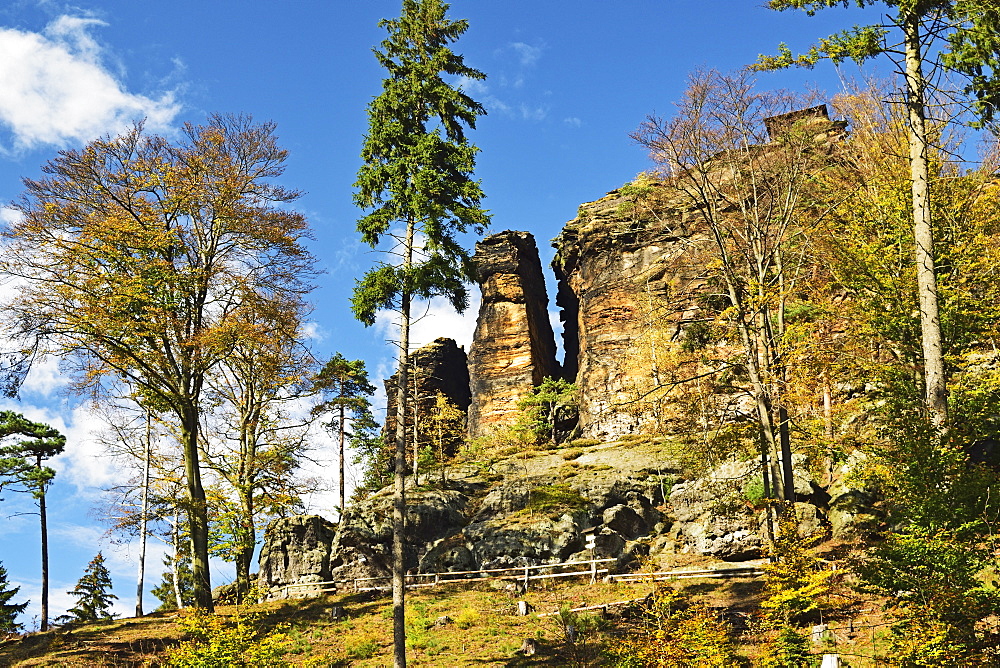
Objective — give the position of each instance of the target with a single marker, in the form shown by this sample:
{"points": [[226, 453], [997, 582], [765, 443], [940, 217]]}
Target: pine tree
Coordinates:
{"points": [[417, 175], [93, 593], [9, 611], [22, 465], [345, 388]]}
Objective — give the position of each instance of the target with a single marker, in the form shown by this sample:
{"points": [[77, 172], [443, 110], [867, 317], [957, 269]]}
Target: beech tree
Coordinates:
{"points": [[253, 442], [136, 254], [969, 33], [416, 181], [741, 160], [22, 466]]}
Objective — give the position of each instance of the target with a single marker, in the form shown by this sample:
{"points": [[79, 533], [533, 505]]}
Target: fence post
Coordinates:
{"points": [[527, 570]]}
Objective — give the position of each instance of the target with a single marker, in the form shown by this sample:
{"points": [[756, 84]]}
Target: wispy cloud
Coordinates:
{"points": [[59, 91], [526, 54], [573, 122]]}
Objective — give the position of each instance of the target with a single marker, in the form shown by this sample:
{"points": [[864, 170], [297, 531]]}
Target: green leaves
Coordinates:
{"points": [[859, 44], [417, 169]]}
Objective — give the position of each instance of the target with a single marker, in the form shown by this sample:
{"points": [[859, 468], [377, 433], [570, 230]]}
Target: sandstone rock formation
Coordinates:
{"points": [[439, 367], [629, 277], [297, 549], [539, 509], [513, 348]]}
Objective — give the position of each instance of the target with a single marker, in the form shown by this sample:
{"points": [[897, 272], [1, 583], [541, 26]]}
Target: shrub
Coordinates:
{"points": [[795, 582], [221, 643], [675, 633], [466, 618], [788, 649]]}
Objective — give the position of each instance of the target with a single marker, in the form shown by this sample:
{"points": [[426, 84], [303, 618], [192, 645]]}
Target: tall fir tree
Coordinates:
{"points": [[9, 611], [93, 593], [417, 175]]}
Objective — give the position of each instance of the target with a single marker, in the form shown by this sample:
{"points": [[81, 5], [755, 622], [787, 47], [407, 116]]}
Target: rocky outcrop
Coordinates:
{"points": [[630, 269], [297, 549], [539, 509], [513, 348], [440, 367]]}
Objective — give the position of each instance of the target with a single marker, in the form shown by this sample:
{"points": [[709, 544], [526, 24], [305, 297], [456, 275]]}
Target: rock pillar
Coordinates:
{"points": [[514, 348], [440, 366]]}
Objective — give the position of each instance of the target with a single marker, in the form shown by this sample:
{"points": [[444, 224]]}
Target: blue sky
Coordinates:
{"points": [[567, 82]]}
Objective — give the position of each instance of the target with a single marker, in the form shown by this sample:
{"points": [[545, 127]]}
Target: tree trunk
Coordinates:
{"points": [[44, 525], [143, 519], [930, 323], [399, 489], [197, 514], [342, 430], [175, 569], [247, 543]]}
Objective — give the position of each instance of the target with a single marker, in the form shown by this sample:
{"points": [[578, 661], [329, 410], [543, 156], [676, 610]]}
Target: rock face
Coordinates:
{"points": [[297, 549], [628, 283], [513, 348], [439, 367], [539, 509]]}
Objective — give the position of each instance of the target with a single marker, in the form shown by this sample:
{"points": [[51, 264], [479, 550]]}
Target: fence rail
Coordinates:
{"points": [[518, 574]]}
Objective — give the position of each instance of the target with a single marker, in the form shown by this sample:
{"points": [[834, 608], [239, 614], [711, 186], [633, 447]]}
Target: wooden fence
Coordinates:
{"points": [[522, 575]]}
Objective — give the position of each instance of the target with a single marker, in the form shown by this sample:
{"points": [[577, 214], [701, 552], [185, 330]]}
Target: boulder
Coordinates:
{"points": [[296, 549]]}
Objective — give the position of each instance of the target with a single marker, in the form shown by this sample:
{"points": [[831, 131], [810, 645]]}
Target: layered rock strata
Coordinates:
{"points": [[440, 367], [630, 270], [513, 348], [540, 510]]}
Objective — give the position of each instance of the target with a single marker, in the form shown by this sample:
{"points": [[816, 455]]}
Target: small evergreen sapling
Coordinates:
{"points": [[9, 611], [93, 594]]}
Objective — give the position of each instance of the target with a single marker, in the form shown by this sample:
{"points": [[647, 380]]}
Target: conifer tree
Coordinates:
{"points": [[22, 465], [417, 183], [9, 611], [93, 593], [345, 388]]}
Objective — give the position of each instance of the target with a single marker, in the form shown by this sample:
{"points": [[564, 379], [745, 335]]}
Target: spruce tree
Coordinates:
{"points": [[168, 589], [93, 593], [417, 178], [9, 611]]}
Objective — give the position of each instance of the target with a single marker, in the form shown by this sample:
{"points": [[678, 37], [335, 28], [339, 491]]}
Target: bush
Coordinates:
{"points": [[796, 584], [467, 618], [221, 643], [675, 633], [788, 649]]}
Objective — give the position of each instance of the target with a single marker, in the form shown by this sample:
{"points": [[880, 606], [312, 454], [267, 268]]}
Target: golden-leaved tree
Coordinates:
{"points": [[139, 258]]}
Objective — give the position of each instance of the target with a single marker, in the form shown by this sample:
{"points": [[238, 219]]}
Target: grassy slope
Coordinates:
{"points": [[484, 629]]}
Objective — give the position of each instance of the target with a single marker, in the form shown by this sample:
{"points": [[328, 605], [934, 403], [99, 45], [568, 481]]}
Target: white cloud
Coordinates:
{"points": [[45, 377], [527, 55], [532, 113], [573, 122], [58, 90], [9, 216], [434, 319], [470, 86]]}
